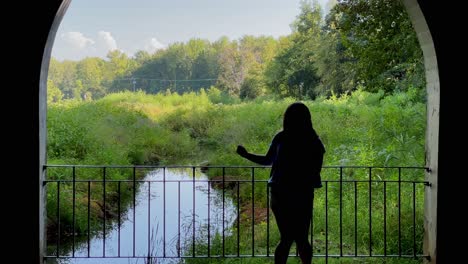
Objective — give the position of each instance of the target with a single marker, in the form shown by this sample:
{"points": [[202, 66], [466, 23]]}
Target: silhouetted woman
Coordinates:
{"points": [[296, 155]]}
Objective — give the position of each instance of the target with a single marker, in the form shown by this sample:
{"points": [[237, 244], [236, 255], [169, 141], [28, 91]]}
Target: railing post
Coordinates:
{"points": [[164, 212], [341, 211], [370, 211], [268, 221], [58, 218], [89, 217], [253, 211], [149, 221], [178, 221], [73, 209], [224, 216], [118, 217], [104, 213], [134, 209], [326, 221], [209, 209], [238, 218], [193, 212]]}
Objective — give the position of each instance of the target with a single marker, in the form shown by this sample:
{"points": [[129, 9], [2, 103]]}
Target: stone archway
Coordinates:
{"points": [[432, 127], [57, 10]]}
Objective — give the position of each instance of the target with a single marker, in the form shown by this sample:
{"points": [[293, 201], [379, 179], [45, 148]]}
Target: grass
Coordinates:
{"points": [[135, 128]]}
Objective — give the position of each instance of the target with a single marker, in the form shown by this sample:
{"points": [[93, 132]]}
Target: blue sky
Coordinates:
{"points": [[94, 27]]}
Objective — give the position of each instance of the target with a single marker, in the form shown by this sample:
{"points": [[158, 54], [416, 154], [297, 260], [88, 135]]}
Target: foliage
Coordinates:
{"points": [[361, 44], [337, 76], [199, 128], [54, 94], [135, 128], [374, 34], [292, 72]]}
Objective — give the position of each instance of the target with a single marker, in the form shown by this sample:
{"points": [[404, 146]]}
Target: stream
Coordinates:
{"points": [[179, 192]]}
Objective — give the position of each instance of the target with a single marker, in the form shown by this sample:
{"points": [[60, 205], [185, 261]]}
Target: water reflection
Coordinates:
{"points": [[159, 234]]}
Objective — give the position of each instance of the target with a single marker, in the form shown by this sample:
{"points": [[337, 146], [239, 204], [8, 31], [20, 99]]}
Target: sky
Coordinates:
{"points": [[92, 28]]}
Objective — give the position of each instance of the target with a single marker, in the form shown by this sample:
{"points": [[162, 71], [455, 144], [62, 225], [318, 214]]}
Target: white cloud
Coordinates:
{"points": [[153, 44], [77, 40], [106, 38], [77, 46]]}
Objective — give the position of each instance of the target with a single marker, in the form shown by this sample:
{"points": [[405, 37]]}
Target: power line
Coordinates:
{"points": [[167, 80], [158, 84]]}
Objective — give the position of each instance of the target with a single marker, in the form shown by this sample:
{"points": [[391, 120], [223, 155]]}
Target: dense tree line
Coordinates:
{"points": [[360, 44]]}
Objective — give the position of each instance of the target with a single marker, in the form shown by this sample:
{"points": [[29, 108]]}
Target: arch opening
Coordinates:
{"points": [[432, 130]]}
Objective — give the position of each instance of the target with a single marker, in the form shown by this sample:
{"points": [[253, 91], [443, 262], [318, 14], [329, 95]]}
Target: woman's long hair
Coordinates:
{"points": [[297, 121]]}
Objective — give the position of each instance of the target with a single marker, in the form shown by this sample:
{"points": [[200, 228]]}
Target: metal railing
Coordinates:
{"points": [[360, 212]]}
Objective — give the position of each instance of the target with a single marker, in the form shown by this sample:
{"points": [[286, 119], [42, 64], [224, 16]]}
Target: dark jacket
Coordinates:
{"points": [[296, 160]]}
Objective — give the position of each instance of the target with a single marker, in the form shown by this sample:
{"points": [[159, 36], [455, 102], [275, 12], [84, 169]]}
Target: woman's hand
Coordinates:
{"points": [[241, 151]]}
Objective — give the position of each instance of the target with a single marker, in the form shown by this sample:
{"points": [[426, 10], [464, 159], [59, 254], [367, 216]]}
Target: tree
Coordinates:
{"points": [[379, 37], [334, 67], [292, 72], [89, 72], [141, 57], [120, 64], [252, 87], [231, 69], [54, 94], [256, 52], [63, 75]]}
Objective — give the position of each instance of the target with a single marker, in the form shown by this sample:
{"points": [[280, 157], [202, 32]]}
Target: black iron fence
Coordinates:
{"points": [[156, 212]]}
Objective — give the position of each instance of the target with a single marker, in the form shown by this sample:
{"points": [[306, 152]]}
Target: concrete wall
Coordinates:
{"points": [[60, 7], [432, 130]]}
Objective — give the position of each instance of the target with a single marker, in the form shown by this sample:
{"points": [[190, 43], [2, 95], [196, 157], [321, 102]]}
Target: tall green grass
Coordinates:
{"points": [[204, 128]]}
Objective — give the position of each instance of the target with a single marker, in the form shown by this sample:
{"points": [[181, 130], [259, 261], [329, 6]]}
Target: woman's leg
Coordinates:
{"points": [[286, 237], [302, 236], [285, 225], [282, 251], [305, 250]]}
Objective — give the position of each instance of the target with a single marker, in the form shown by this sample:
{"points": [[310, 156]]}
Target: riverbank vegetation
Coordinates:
{"points": [[165, 129]]}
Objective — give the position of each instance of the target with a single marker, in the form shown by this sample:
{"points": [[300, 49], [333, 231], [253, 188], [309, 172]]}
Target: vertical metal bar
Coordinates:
{"points": [[341, 211], [253, 211], [224, 186], [178, 220], [370, 211], [399, 211], [149, 219], [414, 219], [104, 205], [73, 210], [164, 212], [209, 209], [58, 218], [134, 209], [193, 212], [326, 222], [312, 228], [355, 218], [268, 220], [238, 218], [385, 217], [89, 216], [118, 217]]}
